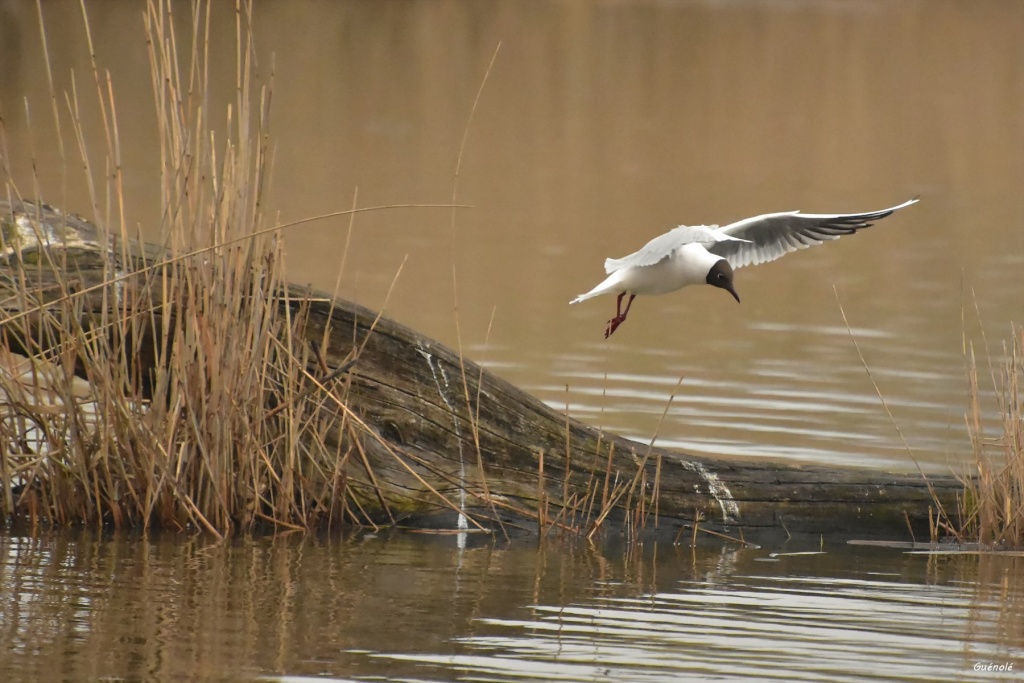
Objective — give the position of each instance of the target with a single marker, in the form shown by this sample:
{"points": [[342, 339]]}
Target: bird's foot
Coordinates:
{"points": [[613, 325]]}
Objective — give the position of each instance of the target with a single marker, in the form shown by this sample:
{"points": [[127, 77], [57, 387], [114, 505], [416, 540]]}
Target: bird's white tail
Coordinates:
{"points": [[583, 297], [611, 283]]}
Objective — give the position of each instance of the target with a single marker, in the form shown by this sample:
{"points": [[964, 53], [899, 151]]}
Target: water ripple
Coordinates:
{"points": [[764, 628]]}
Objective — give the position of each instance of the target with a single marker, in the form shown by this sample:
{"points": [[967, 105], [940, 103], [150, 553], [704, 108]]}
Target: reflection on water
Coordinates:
{"points": [[751, 627], [601, 125], [76, 606]]}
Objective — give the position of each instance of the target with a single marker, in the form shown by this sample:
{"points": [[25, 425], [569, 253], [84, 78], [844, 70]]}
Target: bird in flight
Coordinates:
{"points": [[708, 254]]}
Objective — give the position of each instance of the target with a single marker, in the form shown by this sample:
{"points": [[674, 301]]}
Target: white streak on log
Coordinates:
{"points": [[463, 522], [719, 491]]}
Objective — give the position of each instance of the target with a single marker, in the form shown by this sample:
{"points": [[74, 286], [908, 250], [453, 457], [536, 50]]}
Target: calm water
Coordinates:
{"points": [[601, 125], [418, 608]]}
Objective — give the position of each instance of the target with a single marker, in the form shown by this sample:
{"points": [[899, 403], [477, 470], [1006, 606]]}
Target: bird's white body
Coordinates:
{"points": [[685, 265]]}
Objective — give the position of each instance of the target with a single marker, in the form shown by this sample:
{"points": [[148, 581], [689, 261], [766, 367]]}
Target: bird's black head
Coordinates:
{"points": [[720, 275]]}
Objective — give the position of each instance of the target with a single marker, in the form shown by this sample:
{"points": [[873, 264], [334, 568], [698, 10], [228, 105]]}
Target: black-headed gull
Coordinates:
{"points": [[703, 254]]}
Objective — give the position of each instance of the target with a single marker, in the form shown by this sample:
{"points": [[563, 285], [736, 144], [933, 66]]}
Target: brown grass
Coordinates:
{"points": [[990, 511], [175, 391], [992, 508]]}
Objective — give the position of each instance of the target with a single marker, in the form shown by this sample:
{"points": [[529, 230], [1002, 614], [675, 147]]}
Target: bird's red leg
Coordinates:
{"points": [[628, 304], [620, 315]]}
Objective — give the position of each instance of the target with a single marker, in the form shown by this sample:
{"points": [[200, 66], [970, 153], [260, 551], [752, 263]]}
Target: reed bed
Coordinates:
{"points": [[172, 392], [991, 511]]}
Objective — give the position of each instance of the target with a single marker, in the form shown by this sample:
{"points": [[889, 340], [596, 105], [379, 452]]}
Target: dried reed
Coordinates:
{"points": [[176, 391], [992, 508]]}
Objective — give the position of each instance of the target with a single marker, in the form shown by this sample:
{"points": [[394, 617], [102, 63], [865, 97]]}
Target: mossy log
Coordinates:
{"points": [[440, 424]]}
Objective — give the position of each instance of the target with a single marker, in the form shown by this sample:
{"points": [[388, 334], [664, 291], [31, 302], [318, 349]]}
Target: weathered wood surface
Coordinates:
{"points": [[412, 392]]}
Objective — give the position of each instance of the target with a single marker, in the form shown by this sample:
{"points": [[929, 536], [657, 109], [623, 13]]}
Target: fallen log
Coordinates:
{"points": [[445, 441]]}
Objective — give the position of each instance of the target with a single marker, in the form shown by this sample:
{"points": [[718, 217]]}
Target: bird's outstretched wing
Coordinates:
{"points": [[774, 235], [662, 246]]}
